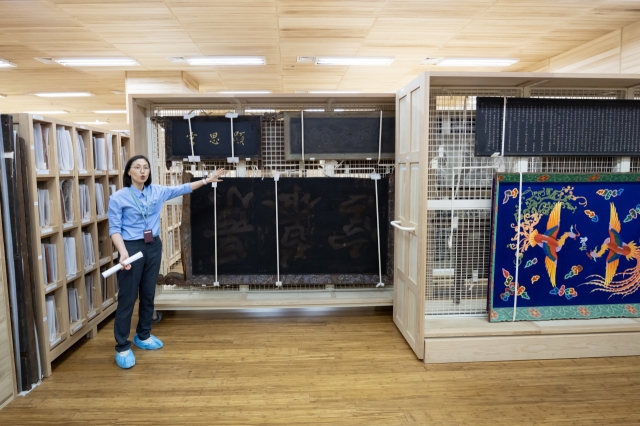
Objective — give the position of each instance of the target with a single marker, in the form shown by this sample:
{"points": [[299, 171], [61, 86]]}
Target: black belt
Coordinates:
{"points": [[141, 240]]}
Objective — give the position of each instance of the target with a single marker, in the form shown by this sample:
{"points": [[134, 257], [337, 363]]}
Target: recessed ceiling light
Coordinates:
{"points": [[2, 96], [227, 60], [96, 62], [6, 64], [477, 62], [92, 122], [47, 112], [63, 94], [111, 111], [244, 92], [356, 60], [339, 92]]}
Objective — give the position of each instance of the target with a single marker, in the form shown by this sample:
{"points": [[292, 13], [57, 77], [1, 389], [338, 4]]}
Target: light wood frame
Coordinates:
{"points": [[87, 325]]}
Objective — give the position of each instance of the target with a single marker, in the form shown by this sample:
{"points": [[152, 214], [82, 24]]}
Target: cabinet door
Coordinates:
{"points": [[410, 211]]}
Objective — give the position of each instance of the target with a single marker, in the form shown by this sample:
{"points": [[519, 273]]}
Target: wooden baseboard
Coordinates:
{"points": [[476, 340], [518, 348], [214, 300]]}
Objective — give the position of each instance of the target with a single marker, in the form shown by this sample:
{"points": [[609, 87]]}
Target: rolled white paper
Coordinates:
{"points": [[116, 268]]}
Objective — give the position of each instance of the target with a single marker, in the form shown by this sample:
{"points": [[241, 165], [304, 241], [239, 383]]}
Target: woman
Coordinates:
{"points": [[134, 225]]}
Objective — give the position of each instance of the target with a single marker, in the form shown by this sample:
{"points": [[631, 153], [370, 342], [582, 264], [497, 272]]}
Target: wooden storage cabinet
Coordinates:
{"points": [[439, 327], [94, 303]]}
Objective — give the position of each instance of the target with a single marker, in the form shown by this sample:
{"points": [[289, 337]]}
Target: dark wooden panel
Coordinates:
{"points": [[212, 137], [17, 235], [326, 226], [339, 135], [540, 127]]}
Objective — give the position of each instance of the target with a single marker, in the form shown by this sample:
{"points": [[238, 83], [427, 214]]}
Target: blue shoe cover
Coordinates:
{"points": [[126, 361], [156, 344]]}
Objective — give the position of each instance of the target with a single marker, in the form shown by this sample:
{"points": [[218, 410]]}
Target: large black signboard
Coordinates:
{"points": [[212, 137], [539, 127], [326, 226], [339, 135]]}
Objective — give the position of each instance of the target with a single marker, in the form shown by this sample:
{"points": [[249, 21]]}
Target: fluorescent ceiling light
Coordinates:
{"points": [[227, 60], [334, 91], [63, 94], [356, 60], [47, 112], [245, 92], [92, 122], [111, 111], [6, 64], [96, 62], [477, 62]]}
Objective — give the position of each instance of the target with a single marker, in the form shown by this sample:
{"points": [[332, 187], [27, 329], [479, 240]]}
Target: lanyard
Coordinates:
{"points": [[145, 217]]}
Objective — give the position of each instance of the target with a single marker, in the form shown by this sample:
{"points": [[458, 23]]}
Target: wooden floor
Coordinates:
{"points": [[336, 367]]}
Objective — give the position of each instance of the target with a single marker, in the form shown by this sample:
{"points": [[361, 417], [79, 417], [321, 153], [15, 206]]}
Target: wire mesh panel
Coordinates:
{"points": [[458, 236], [272, 160], [454, 170], [457, 261]]}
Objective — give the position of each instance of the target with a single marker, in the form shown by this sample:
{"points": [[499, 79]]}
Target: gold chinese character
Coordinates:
{"points": [[214, 139], [194, 137], [238, 138]]}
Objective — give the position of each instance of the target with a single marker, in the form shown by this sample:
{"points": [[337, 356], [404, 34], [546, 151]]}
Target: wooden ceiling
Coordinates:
{"points": [[280, 30]]}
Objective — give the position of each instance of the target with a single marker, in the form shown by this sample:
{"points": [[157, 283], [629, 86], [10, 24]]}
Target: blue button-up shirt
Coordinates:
{"points": [[124, 214]]}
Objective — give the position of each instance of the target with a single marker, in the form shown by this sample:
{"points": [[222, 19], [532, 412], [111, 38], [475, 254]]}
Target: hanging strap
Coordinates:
{"points": [[515, 295], [215, 229], [276, 178], [144, 217], [232, 149], [302, 127], [376, 177], [379, 141], [504, 126], [189, 115]]}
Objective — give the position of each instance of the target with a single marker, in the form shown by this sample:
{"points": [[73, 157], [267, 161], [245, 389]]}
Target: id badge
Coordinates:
{"points": [[148, 236]]}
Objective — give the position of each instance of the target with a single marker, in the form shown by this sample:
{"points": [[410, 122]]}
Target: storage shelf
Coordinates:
{"points": [[45, 232], [51, 287], [70, 225], [69, 333]]}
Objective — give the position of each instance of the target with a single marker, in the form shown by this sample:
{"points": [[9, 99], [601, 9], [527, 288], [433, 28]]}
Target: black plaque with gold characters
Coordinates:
{"points": [[351, 135], [325, 226], [212, 137], [541, 127]]}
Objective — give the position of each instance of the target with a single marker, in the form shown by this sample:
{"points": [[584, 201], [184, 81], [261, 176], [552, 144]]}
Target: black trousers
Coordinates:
{"points": [[140, 279]]}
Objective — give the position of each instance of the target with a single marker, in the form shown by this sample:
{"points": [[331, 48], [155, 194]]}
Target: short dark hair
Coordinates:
{"points": [[126, 179]]}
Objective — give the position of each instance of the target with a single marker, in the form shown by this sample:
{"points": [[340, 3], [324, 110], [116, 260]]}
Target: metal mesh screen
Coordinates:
{"points": [[457, 261], [458, 236], [272, 160]]}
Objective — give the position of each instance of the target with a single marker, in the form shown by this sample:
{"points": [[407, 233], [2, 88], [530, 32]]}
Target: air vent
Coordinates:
{"points": [[307, 59], [431, 61], [47, 61], [176, 59]]}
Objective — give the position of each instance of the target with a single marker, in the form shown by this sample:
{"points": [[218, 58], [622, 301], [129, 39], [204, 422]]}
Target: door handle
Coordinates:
{"points": [[402, 228]]}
